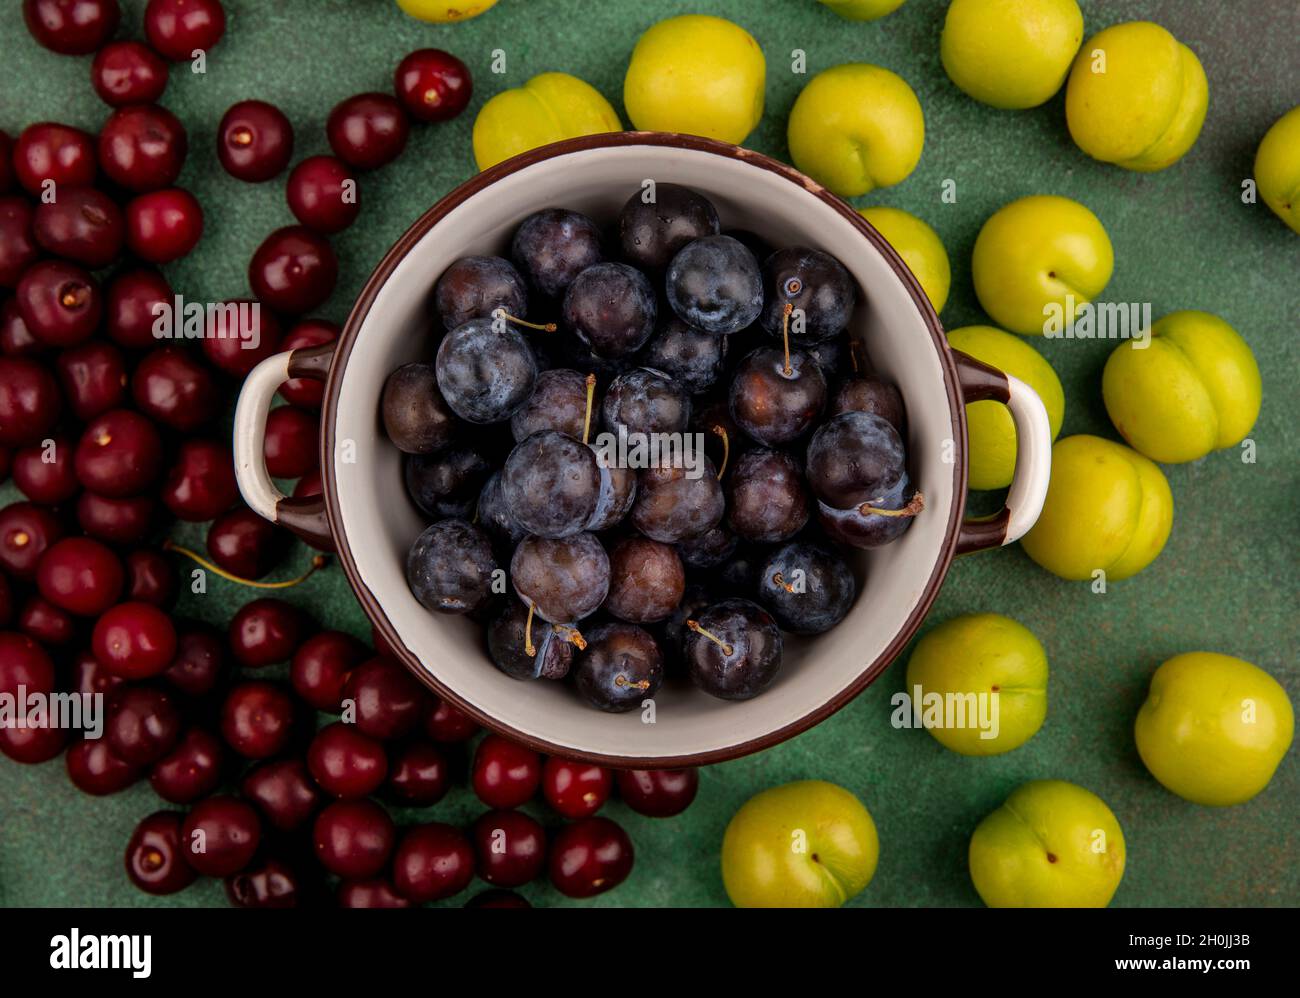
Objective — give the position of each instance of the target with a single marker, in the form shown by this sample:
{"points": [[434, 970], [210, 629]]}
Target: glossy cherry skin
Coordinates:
{"points": [[44, 474], [142, 148], [18, 248], [389, 702], [270, 883], [294, 270], [95, 769], [142, 724], [432, 862], [246, 545], [151, 578], [31, 745], [155, 859], [51, 152], [134, 640], [30, 401], [433, 85], [23, 662], [658, 793], [6, 162], [176, 28], [42, 621], [60, 302], [128, 73], [163, 226], [345, 762], [83, 225], [81, 576], [93, 376], [119, 454], [447, 724], [418, 775], [240, 344], [130, 307], [575, 789], [497, 898], [284, 792], [26, 532], [71, 27], [191, 770], [323, 195], [510, 848], [590, 857], [229, 833], [505, 774], [321, 667], [89, 677], [309, 485], [257, 719], [354, 838], [307, 392], [199, 662], [290, 442], [201, 484], [368, 130], [117, 521], [171, 386], [370, 894], [267, 631], [254, 141]]}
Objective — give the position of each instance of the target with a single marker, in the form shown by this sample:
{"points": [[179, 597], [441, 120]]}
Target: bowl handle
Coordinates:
{"points": [[1033, 455], [305, 517]]}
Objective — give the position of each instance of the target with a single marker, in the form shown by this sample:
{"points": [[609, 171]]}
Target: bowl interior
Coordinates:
{"points": [[380, 523]]}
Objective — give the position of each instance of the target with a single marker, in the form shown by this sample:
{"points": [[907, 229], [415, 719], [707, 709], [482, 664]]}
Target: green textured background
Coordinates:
{"points": [[1183, 239]]}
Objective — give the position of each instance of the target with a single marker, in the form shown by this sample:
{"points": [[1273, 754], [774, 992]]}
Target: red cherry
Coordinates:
{"points": [[16, 340], [432, 862], [142, 724], [257, 719], [505, 774], [368, 130], [245, 545], [191, 770], [117, 521], [345, 762], [575, 789], [30, 401], [388, 701], [201, 484], [445, 723], [199, 663], [433, 85], [93, 376], [44, 474], [370, 894], [323, 194], [290, 442], [51, 152], [321, 667], [270, 883], [18, 249], [307, 392], [60, 302], [220, 836], [240, 336], [163, 226], [81, 576], [119, 454], [173, 387], [150, 578], [29, 744], [510, 846], [294, 270], [128, 73], [84, 225], [94, 769], [284, 792], [178, 28], [89, 677], [354, 838], [418, 775], [6, 161], [155, 859], [658, 793], [42, 621], [134, 640], [131, 309], [254, 141], [24, 663], [71, 27], [142, 147], [590, 857], [309, 484], [26, 532], [267, 631]]}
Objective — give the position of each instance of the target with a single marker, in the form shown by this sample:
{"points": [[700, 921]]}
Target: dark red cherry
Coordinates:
{"points": [[590, 857], [321, 667], [94, 769], [30, 401], [142, 148], [201, 484], [6, 162], [93, 376], [505, 774], [42, 621], [448, 724], [83, 225], [307, 392], [60, 302], [433, 85], [285, 793], [119, 454], [178, 28], [240, 336], [433, 861], [155, 860], [267, 631], [246, 545], [658, 793], [323, 194], [345, 762], [16, 340], [290, 442], [418, 775], [81, 576], [294, 270], [220, 836], [254, 141], [128, 73], [191, 770], [132, 307], [269, 883], [18, 249], [387, 700], [575, 789], [26, 532], [134, 640], [257, 719], [43, 473], [71, 27], [117, 521], [309, 484], [31, 744], [23, 662], [141, 724], [370, 894], [89, 677], [199, 662], [6, 601], [51, 152], [354, 838], [151, 578], [368, 130], [173, 387], [163, 226], [510, 848]]}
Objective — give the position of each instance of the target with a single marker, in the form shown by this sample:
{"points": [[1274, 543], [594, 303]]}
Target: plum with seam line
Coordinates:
{"points": [[767, 501], [486, 370], [715, 285], [854, 458], [553, 246], [617, 494], [510, 635], [558, 402], [451, 568], [807, 588], [651, 232], [495, 517], [474, 287], [620, 668], [672, 506], [691, 357], [447, 483], [611, 307], [871, 525], [817, 287], [643, 401], [776, 397], [551, 484], [566, 579], [733, 649]]}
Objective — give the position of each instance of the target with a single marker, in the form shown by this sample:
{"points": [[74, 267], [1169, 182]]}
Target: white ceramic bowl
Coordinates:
{"points": [[367, 518]]}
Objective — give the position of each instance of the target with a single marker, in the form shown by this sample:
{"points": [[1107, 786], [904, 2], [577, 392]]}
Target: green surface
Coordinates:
{"points": [[1183, 239]]}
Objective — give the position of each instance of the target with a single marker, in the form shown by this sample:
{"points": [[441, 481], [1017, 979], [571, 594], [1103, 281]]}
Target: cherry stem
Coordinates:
{"points": [[779, 579], [571, 635], [914, 506], [317, 563], [694, 625], [529, 648], [591, 395], [548, 327], [721, 431], [785, 335]]}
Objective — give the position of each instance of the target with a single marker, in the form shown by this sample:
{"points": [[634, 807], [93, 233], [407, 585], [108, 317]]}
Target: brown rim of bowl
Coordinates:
{"points": [[485, 179]]}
